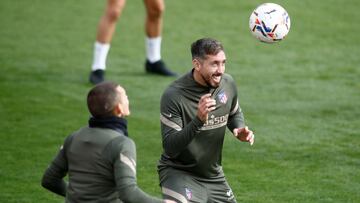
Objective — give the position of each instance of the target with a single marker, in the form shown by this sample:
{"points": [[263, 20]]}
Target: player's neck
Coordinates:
{"points": [[199, 78]]}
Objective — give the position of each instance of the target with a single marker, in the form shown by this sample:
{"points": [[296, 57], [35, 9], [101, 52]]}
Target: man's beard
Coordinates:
{"points": [[208, 82]]}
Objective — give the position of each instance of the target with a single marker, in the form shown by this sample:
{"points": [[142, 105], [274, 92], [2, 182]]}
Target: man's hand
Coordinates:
{"points": [[206, 104], [244, 134]]}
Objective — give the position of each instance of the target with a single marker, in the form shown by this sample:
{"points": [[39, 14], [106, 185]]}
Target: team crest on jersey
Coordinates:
{"points": [[188, 193], [222, 97]]}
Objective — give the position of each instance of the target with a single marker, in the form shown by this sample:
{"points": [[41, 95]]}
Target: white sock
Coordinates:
{"points": [[100, 53], [153, 48]]}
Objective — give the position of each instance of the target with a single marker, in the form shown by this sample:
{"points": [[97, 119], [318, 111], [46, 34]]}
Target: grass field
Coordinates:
{"points": [[300, 96]]}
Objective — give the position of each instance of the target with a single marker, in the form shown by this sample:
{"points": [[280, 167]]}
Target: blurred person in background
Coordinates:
{"points": [[153, 29]]}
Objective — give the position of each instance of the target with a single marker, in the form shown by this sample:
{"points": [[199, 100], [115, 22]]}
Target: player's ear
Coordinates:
{"points": [[196, 64], [118, 110]]}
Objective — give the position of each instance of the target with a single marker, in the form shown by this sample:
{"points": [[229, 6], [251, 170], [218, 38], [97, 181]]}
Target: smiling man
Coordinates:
{"points": [[195, 111]]}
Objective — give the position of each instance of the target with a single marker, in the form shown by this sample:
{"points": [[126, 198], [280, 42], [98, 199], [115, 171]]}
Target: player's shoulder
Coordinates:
{"points": [[121, 144], [228, 82], [171, 97], [228, 78], [173, 91], [186, 81]]}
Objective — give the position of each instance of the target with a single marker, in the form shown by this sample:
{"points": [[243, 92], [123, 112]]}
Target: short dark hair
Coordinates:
{"points": [[102, 99], [205, 46]]}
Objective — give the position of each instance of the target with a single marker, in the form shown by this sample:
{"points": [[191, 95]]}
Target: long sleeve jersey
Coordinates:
{"points": [[189, 144], [101, 166]]}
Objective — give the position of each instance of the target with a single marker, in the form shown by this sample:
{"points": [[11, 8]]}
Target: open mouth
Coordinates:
{"points": [[216, 78]]}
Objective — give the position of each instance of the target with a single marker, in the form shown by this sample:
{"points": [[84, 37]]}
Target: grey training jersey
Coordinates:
{"points": [[189, 144], [101, 165]]}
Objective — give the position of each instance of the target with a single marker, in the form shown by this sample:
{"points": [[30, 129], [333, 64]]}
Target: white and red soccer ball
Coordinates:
{"points": [[269, 23]]}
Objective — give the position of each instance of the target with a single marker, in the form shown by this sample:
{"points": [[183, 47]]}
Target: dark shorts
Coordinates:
{"points": [[183, 187]]}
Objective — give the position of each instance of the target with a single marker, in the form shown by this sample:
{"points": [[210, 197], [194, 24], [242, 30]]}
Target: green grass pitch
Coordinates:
{"points": [[300, 96]]}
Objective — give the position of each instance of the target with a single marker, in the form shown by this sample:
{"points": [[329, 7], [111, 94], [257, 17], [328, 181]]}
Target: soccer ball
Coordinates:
{"points": [[269, 23]]}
